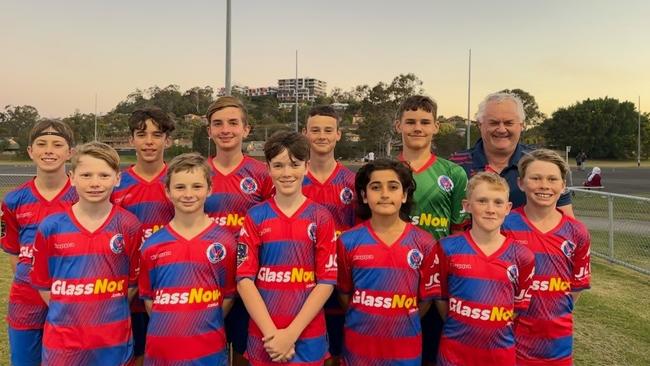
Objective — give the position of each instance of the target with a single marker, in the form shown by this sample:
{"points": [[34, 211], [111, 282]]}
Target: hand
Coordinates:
{"points": [[280, 344], [286, 357]]}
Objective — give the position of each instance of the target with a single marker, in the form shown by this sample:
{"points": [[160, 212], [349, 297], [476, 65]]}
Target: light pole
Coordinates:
{"points": [[638, 137], [469, 86], [95, 116], [228, 83], [296, 88]]}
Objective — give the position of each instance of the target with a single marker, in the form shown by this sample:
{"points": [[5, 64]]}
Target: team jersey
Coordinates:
{"points": [[440, 190], [234, 193], [483, 293], [187, 281], [336, 194], [146, 200], [88, 275], [384, 284], [545, 331], [287, 257], [22, 210]]}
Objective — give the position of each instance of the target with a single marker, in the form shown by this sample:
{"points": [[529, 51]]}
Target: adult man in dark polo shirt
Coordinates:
{"points": [[500, 119]]}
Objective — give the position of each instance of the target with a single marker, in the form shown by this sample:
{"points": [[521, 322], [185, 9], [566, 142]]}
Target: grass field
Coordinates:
{"points": [[612, 319]]}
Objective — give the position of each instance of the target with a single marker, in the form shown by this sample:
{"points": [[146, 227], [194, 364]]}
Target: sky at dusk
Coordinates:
{"points": [[57, 55]]}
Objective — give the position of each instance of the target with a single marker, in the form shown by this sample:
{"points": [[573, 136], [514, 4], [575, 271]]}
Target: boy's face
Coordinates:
{"points": [[94, 179], [227, 129], [542, 183], [150, 143], [417, 128], [488, 205], [188, 191], [287, 176], [322, 134], [49, 152], [384, 193]]}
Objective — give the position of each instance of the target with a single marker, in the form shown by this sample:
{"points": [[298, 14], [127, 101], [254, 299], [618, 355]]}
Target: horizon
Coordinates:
{"points": [[60, 55]]}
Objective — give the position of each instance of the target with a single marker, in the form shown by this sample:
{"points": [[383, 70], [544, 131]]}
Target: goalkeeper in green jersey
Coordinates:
{"points": [[440, 190]]}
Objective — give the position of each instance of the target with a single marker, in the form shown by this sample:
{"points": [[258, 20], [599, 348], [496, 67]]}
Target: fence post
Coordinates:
{"points": [[610, 209]]}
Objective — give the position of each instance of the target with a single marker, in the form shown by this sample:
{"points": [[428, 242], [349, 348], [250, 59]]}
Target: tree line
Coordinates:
{"points": [[603, 128]]}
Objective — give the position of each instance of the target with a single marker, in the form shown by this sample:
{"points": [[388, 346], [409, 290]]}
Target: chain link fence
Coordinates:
{"points": [[10, 181], [619, 226]]}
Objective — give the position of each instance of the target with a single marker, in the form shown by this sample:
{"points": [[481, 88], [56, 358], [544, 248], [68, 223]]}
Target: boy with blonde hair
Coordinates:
{"points": [[85, 267], [482, 281]]}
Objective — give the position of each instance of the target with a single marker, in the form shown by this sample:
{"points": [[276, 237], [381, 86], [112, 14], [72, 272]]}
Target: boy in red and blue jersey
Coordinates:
{"points": [[85, 267], [238, 183], [187, 274], [23, 209], [142, 192], [561, 246], [482, 280], [385, 271], [330, 184], [287, 263]]}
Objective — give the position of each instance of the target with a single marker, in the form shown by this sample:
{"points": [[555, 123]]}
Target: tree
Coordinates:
{"points": [[603, 128], [378, 106], [16, 122], [533, 115], [83, 126]]}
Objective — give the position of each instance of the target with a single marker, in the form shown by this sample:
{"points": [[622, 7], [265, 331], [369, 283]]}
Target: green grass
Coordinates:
{"points": [[612, 320]]}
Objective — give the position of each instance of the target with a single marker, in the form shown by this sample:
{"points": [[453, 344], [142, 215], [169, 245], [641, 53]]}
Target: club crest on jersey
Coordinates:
{"points": [[117, 243], [568, 247], [414, 258], [445, 183], [346, 195], [311, 231], [242, 253], [248, 185], [513, 273], [216, 252]]}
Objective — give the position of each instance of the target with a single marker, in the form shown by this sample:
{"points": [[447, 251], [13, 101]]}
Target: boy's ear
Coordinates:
{"points": [[168, 141], [397, 126], [119, 179], [520, 183], [509, 207], [363, 197], [466, 205]]}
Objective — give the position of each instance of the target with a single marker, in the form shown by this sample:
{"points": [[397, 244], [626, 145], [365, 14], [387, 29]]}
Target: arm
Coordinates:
{"points": [[256, 307], [132, 293], [575, 296], [148, 305], [227, 305], [344, 299], [282, 342], [13, 262], [443, 307], [45, 295], [424, 307]]}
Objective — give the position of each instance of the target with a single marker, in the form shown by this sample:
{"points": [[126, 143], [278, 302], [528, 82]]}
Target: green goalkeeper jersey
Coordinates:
{"points": [[438, 197]]}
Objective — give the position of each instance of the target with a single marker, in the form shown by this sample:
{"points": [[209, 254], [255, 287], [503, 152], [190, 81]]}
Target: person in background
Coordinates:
{"points": [[594, 179]]}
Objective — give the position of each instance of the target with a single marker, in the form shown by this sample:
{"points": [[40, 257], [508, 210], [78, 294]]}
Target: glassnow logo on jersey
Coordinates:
{"points": [[426, 219], [551, 285], [151, 231], [99, 286], [229, 220], [192, 296], [395, 301], [297, 275], [494, 314]]}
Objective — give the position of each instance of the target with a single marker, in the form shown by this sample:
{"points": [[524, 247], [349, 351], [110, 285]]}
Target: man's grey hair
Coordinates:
{"points": [[498, 98]]}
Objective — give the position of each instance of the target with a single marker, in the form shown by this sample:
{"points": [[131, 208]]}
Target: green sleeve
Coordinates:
{"points": [[459, 177]]}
